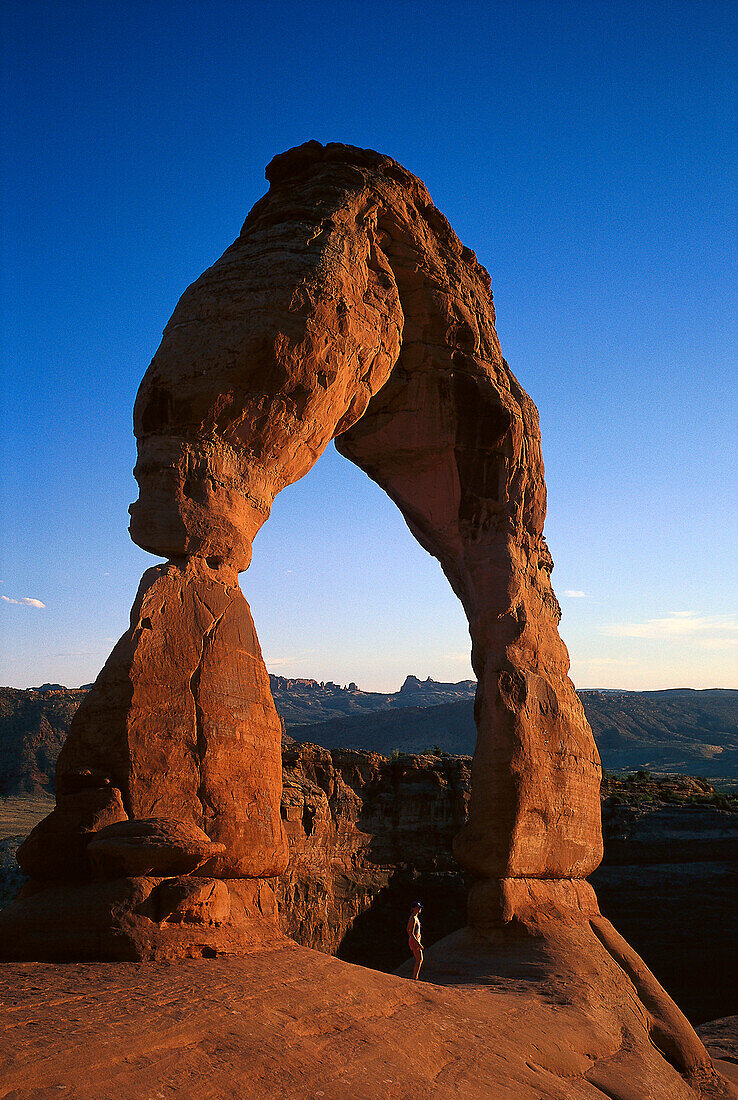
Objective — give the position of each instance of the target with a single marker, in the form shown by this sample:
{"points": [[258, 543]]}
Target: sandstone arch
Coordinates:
{"points": [[347, 308]]}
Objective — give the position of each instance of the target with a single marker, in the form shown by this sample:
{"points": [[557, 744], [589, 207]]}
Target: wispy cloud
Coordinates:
{"points": [[712, 631], [725, 642], [602, 662], [26, 601], [575, 594], [294, 658]]}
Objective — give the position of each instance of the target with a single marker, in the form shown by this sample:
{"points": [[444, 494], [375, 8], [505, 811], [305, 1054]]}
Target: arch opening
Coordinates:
{"points": [[347, 309]]}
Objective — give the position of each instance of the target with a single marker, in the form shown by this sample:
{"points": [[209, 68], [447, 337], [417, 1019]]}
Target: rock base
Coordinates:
{"points": [[289, 1022], [133, 919], [495, 902], [616, 1028]]}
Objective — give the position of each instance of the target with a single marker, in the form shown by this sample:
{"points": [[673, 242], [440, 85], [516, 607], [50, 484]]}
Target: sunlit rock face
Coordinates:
{"points": [[347, 308], [181, 719]]}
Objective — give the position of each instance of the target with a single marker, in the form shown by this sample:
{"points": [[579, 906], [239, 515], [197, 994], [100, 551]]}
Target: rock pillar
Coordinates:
{"points": [[167, 828]]}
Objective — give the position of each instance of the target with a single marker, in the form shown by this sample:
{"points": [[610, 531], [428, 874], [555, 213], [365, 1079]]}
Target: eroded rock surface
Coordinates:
{"points": [[155, 846], [348, 308], [182, 722], [550, 1020], [172, 766], [365, 834]]}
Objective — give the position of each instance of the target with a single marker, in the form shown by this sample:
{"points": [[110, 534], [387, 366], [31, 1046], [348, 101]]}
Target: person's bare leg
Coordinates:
{"points": [[418, 953]]}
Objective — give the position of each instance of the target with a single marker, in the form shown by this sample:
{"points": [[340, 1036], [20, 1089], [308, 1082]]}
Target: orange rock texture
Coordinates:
{"points": [[181, 719], [172, 768], [542, 1020], [347, 308]]}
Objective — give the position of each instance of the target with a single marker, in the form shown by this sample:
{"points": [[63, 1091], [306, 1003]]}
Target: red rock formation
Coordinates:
{"points": [[348, 308], [181, 719], [179, 727]]}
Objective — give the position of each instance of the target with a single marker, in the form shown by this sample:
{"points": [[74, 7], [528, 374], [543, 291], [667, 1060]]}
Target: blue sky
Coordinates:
{"points": [[584, 150]]}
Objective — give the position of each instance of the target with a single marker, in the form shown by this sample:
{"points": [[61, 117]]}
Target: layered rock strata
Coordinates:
{"points": [[365, 836], [369, 835]]}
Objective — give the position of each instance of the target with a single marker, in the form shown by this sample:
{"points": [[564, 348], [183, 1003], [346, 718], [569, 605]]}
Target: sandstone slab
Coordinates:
{"points": [[140, 918], [287, 1022], [155, 847]]}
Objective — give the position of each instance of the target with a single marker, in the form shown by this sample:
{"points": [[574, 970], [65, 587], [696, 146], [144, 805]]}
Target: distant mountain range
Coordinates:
{"points": [[306, 702], [678, 730], [33, 725]]}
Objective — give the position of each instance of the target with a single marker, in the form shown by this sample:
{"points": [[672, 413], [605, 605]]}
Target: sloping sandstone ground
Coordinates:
{"points": [[288, 1022], [721, 1039]]}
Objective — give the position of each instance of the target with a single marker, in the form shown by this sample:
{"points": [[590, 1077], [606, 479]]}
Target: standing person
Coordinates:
{"points": [[413, 937]]}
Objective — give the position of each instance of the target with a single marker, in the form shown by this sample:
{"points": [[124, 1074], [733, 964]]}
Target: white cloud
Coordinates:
{"points": [[294, 658], [601, 662], [575, 594], [25, 600], [726, 642], [682, 624]]}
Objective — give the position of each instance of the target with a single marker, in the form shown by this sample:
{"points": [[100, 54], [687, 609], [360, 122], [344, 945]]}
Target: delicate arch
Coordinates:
{"points": [[347, 308]]}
